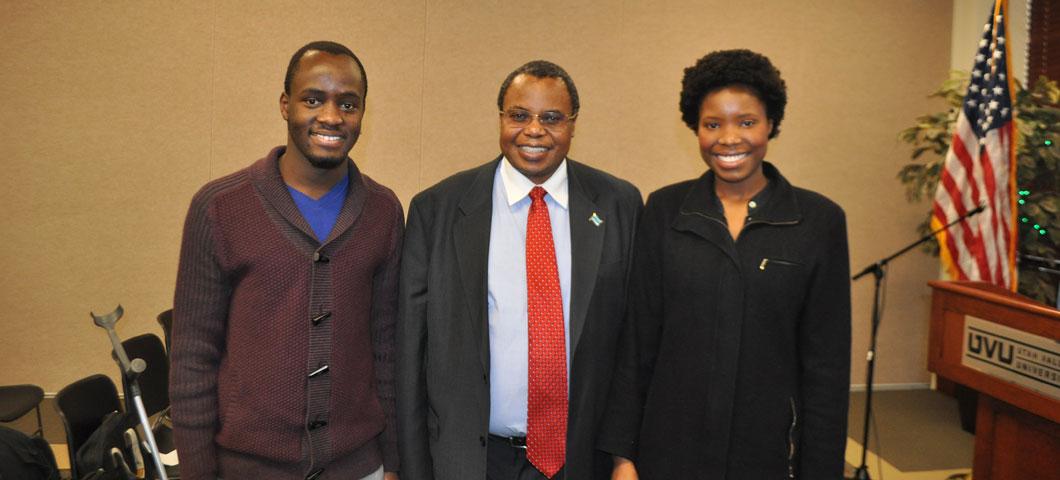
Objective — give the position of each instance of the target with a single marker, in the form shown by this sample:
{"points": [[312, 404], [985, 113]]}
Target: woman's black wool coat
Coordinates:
{"points": [[736, 355]]}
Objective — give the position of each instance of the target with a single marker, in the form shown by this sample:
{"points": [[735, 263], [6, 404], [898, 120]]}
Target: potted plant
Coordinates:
{"points": [[1037, 115]]}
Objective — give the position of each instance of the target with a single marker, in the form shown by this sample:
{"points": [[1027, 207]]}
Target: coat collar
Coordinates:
{"points": [[701, 212], [782, 207], [479, 195], [266, 178]]}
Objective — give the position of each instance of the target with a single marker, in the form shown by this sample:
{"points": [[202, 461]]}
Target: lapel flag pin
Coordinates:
{"points": [[596, 219]]}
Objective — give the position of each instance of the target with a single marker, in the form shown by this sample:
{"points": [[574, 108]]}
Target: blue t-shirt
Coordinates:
{"points": [[321, 214]]}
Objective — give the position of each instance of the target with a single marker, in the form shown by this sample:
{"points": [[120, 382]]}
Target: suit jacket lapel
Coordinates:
{"points": [[587, 240], [471, 235]]}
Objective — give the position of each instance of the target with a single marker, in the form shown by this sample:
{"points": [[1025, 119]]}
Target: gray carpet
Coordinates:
{"points": [[917, 429]]}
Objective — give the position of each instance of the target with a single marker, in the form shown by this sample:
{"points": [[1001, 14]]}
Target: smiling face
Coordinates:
{"points": [[733, 136], [532, 149], [324, 109]]}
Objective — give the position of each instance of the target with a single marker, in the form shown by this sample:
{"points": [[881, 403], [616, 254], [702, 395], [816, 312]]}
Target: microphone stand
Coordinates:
{"points": [[878, 271], [131, 371]]}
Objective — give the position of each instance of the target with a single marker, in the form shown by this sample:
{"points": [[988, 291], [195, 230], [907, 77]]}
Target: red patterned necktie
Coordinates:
{"points": [[546, 415]]}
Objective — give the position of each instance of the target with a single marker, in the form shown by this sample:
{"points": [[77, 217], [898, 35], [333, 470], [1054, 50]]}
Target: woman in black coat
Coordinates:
{"points": [[736, 354]]}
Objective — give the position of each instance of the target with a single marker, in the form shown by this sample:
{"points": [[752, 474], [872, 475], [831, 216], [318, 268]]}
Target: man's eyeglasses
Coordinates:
{"points": [[520, 118]]}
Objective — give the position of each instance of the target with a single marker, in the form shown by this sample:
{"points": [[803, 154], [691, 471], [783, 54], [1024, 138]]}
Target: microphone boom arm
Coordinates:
{"points": [[883, 262]]}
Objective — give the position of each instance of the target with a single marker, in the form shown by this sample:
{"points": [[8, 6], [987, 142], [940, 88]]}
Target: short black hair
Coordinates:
{"points": [[321, 46], [725, 68], [541, 69]]}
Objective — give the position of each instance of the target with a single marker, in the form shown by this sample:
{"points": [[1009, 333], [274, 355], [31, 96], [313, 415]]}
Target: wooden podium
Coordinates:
{"points": [[1007, 348]]}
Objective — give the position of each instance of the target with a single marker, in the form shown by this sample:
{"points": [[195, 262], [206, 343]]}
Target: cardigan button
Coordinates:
{"points": [[319, 371], [320, 318], [317, 424], [320, 257]]}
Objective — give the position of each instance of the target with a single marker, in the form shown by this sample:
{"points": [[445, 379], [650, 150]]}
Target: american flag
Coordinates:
{"points": [[980, 170]]}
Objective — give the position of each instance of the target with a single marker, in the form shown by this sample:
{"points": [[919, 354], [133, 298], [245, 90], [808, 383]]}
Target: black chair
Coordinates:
{"points": [[165, 319], [82, 406], [18, 400]]}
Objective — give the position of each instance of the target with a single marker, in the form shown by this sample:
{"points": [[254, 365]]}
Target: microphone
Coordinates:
{"points": [[975, 211]]}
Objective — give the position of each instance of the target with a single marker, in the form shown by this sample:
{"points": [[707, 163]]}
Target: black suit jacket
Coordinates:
{"points": [[443, 366]]}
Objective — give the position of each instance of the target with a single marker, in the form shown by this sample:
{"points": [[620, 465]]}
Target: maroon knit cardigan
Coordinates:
{"points": [[261, 308]]}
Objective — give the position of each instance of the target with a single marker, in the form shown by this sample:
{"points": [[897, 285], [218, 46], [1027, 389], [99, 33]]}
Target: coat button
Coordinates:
{"points": [[319, 371], [320, 318]]}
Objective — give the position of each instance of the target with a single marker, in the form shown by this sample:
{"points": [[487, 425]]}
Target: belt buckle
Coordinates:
{"points": [[516, 442]]}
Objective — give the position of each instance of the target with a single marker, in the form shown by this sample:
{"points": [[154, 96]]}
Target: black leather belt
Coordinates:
{"points": [[514, 442]]}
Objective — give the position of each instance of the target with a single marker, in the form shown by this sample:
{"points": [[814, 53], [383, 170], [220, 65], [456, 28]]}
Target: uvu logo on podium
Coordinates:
{"points": [[992, 347], [1028, 360]]}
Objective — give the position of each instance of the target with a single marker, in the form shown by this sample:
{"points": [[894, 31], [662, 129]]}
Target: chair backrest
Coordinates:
{"points": [[82, 405], [165, 319], [154, 381]]}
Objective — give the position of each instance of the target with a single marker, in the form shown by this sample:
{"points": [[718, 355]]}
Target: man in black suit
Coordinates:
{"points": [[509, 269]]}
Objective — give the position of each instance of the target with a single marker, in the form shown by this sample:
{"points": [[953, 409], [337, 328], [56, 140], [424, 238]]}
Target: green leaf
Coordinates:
{"points": [[1049, 204]]}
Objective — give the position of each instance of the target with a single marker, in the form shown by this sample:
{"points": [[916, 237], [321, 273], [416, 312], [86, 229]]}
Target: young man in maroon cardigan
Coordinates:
{"points": [[284, 313]]}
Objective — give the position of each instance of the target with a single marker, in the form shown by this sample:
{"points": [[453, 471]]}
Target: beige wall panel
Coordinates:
{"points": [[117, 112], [100, 125], [471, 47]]}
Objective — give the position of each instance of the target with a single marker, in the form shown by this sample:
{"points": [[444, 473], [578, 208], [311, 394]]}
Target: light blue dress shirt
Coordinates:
{"points": [[506, 281]]}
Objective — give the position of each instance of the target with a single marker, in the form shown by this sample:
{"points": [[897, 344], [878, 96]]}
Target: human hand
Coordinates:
{"points": [[624, 469]]}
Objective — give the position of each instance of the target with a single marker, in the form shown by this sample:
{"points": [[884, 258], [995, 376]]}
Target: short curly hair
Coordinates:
{"points": [[724, 68], [541, 69]]}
